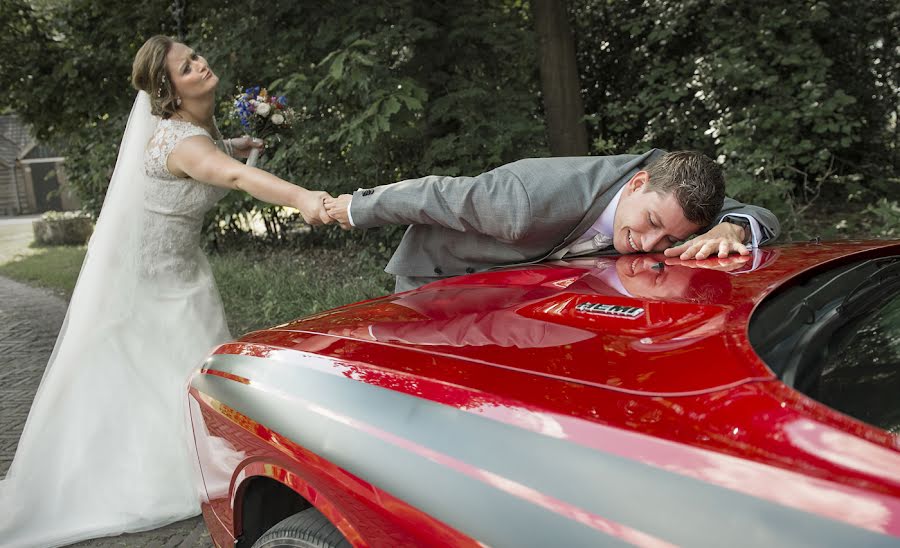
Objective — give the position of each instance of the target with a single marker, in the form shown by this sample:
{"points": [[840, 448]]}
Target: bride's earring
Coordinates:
{"points": [[178, 101]]}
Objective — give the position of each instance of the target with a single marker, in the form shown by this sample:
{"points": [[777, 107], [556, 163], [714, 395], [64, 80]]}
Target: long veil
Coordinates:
{"points": [[66, 482], [107, 282]]}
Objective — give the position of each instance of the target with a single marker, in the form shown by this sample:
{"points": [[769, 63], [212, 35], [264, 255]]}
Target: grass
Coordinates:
{"points": [[259, 288], [264, 288], [54, 267]]}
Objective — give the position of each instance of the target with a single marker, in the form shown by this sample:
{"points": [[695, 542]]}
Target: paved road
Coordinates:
{"points": [[29, 321], [15, 236], [19, 220]]}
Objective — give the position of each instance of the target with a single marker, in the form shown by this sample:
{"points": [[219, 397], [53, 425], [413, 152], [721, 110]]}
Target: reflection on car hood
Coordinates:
{"points": [[623, 323]]}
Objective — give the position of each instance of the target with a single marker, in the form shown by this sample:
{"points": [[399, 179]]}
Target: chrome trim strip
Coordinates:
{"points": [[499, 484]]}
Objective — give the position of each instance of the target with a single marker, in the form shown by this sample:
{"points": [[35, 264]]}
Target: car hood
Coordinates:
{"points": [[625, 323]]}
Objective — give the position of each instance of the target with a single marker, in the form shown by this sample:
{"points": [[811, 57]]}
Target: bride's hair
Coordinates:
{"points": [[148, 73]]}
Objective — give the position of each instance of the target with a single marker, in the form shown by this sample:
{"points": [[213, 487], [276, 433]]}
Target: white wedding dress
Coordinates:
{"points": [[107, 447]]}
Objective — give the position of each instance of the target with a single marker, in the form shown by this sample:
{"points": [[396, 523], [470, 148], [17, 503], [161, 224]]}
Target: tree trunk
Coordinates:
{"points": [[563, 108]]}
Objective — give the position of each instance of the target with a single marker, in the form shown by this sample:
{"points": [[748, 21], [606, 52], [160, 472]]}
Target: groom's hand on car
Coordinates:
{"points": [[339, 210], [721, 241]]}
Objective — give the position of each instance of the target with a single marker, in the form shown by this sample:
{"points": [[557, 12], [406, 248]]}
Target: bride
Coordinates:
{"points": [[105, 448]]}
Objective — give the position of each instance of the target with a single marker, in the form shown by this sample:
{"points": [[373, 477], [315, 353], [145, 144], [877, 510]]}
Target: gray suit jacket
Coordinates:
{"points": [[518, 213]]}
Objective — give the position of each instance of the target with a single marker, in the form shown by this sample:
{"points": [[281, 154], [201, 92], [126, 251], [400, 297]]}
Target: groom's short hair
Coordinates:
{"points": [[696, 180]]}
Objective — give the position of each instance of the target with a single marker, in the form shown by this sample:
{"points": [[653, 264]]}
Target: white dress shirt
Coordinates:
{"points": [[599, 235]]}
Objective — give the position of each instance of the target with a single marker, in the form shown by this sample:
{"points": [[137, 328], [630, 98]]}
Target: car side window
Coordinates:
{"points": [[860, 375], [835, 336]]}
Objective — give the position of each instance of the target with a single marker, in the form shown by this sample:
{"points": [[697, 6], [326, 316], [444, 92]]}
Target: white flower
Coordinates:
{"points": [[277, 119], [263, 109]]}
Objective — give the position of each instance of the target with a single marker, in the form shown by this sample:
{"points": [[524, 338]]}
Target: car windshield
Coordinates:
{"points": [[836, 338]]}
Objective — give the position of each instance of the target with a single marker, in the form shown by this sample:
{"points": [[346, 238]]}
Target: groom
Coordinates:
{"points": [[551, 208]]}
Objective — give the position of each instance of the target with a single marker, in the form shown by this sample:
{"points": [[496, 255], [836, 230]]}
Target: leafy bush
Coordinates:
{"points": [[383, 92], [798, 99], [884, 218]]}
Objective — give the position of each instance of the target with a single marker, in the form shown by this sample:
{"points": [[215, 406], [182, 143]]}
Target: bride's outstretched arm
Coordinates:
{"points": [[197, 157]]}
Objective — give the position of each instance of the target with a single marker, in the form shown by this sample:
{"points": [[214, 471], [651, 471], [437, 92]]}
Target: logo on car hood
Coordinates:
{"points": [[617, 310]]}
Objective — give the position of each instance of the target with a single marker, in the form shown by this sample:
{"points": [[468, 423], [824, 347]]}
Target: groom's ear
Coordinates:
{"points": [[637, 182]]}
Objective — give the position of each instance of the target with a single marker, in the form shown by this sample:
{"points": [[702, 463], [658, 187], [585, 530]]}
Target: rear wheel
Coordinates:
{"points": [[306, 529]]}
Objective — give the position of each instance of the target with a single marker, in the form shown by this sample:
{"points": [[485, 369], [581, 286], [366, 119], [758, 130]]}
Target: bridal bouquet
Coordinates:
{"points": [[262, 115]]}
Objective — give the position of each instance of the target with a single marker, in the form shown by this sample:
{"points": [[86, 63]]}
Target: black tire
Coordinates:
{"points": [[306, 529]]}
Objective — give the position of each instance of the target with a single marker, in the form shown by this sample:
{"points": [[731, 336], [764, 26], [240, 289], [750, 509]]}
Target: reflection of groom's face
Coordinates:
{"points": [[704, 281], [641, 280]]}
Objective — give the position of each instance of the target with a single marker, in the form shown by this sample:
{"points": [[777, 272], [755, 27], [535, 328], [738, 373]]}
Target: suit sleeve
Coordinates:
{"points": [[494, 203], [769, 227]]}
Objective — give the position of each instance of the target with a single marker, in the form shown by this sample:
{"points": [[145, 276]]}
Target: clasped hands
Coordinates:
{"points": [[319, 208]]}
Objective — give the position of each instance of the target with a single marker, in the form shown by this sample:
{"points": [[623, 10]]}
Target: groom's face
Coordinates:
{"points": [[647, 220]]}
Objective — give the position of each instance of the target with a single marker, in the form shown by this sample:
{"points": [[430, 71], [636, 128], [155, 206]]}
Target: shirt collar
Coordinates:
{"points": [[604, 224]]}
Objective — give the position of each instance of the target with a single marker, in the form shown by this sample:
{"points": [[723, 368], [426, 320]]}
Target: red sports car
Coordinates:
{"points": [[626, 400]]}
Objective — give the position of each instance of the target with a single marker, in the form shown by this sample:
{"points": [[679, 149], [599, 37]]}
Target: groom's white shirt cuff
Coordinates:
{"points": [[756, 233], [349, 216]]}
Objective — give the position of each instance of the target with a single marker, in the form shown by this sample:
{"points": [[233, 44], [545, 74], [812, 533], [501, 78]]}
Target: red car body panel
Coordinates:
{"points": [[678, 388]]}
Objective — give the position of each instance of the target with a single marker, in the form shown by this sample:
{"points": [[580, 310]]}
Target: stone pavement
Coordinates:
{"points": [[29, 321]]}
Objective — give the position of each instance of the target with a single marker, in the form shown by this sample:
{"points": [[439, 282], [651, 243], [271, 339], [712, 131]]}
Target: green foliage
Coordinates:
{"points": [[884, 218], [383, 91], [67, 66], [389, 90], [798, 99]]}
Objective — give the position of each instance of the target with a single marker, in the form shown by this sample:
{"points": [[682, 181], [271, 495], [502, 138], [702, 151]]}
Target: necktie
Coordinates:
{"points": [[583, 246], [598, 241]]}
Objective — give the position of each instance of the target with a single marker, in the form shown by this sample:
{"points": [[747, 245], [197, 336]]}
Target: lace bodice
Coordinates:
{"points": [[174, 206]]}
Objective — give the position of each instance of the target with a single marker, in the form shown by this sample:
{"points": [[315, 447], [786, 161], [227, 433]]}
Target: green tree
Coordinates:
{"points": [[67, 66], [797, 99], [385, 90]]}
